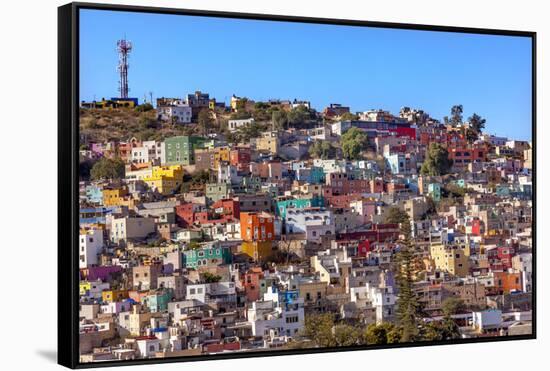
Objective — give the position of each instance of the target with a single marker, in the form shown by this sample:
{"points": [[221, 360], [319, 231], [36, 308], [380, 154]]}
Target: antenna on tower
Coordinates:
{"points": [[124, 47]]}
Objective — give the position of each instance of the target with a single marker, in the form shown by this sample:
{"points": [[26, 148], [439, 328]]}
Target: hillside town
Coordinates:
{"points": [[211, 227]]}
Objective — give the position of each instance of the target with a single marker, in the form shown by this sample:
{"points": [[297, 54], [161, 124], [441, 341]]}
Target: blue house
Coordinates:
{"points": [[94, 194]]}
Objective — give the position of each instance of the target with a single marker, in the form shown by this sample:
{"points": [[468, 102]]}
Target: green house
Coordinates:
{"points": [[434, 190], [181, 150], [158, 301], [205, 256], [217, 191], [298, 203]]}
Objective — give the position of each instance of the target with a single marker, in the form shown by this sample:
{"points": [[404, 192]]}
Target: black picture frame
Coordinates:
{"points": [[68, 144]]}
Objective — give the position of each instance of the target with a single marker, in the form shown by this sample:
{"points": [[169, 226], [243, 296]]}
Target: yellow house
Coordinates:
{"points": [[163, 185], [221, 154], [84, 287], [454, 259], [137, 174], [324, 274], [269, 142], [257, 250], [110, 296], [172, 171], [165, 179], [114, 196], [138, 320], [312, 291]]}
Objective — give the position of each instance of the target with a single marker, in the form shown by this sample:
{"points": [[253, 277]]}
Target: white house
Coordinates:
{"points": [[210, 292], [279, 314], [233, 125], [96, 289], [126, 228], [91, 245], [228, 174], [150, 151], [487, 320], [148, 346], [181, 113], [314, 222]]}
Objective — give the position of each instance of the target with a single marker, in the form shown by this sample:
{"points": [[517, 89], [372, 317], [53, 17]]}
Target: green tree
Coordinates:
{"points": [[452, 306], [477, 124], [145, 122], [348, 116], [299, 115], [240, 115], [261, 115], [107, 168], [437, 161], [232, 138], [380, 334], [144, 107], [279, 119], [254, 130], [261, 105], [454, 190], [318, 328], [322, 149], [353, 142], [396, 216], [445, 329], [346, 335], [211, 278], [456, 116], [200, 177], [205, 121], [408, 307], [193, 245]]}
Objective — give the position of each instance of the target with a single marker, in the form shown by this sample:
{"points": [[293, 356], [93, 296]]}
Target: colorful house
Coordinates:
{"points": [[181, 150], [158, 301], [217, 191], [114, 196], [109, 296], [165, 179], [298, 203], [258, 250], [257, 226], [252, 282], [434, 190], [451, 258], [207, 256], [94, 194]]}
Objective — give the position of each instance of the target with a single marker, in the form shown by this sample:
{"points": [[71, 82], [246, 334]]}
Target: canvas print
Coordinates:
{"points": [[269, 186]]}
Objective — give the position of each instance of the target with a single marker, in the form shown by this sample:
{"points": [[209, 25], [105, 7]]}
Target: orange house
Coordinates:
{"points": [[114, 196], [506, 282], [257, 226], [110, 296], [137, 296], [252, 283]]}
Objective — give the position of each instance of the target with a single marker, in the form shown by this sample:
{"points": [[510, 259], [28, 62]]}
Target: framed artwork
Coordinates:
{"points": [[243, 185]]}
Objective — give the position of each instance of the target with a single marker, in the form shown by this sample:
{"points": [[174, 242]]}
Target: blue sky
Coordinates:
{"points": [[361, 67]]}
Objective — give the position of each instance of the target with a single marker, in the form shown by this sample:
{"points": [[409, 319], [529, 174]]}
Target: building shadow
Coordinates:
{"points": [[49, 355]]}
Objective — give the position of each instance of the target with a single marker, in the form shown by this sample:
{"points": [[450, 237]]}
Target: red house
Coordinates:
{"points": [[240, 157], [185, 214], [363, 248], [251, 283]]}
